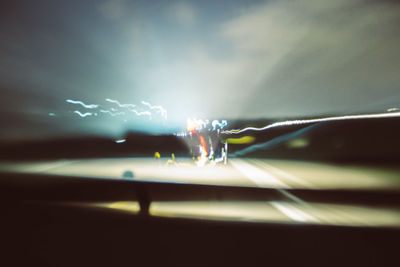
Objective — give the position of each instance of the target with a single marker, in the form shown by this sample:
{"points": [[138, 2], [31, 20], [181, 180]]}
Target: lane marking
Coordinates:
{"points": [[258, 176], [264, 179], [293, 212], [292, 197], [284, 174]]}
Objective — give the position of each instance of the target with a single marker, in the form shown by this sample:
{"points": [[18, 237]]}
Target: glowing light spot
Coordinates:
{"points": [[120, 141], [392, 109], [216, 123], [77, 102], [195, 124], [298, 143], [190, 125], [51, 114]]}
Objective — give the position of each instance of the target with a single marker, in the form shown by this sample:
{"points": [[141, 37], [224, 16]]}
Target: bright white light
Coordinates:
{"points": [[120, 141], [221, 124]]}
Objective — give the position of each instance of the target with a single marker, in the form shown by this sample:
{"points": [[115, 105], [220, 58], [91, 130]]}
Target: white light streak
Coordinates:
{"points": [[111, 113], [120, 141], [159, 109], [119, 104], [115, 111], [83, 114], [142, 113], [298, 122], [91, 106]]}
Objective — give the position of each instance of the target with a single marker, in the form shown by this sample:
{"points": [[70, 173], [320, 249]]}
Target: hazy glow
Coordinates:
{"points": [[243, 60], [193, 124], [120, 141], [298, 143]]}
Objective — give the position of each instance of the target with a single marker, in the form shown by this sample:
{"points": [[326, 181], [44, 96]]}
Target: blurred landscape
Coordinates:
{"points": [[362, 141]]}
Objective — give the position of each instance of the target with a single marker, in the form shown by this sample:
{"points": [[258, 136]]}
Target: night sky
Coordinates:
{"points": [[205, 59]]}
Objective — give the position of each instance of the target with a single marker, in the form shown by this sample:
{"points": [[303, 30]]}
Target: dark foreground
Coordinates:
{"points": [[52, 220]]}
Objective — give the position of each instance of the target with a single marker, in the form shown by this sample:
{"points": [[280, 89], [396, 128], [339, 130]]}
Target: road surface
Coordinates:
{"points": [[280, 175]]}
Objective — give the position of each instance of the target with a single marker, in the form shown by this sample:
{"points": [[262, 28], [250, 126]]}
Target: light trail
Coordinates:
{"points": [[299, 122], [129, 106], [159, 109], [111, 113], [115, 112], [83, 115], [77, 102], [141, 113], [119, 104]]}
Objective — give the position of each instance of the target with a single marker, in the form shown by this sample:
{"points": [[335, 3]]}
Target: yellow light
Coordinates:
{"points": [[241, 140]]}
